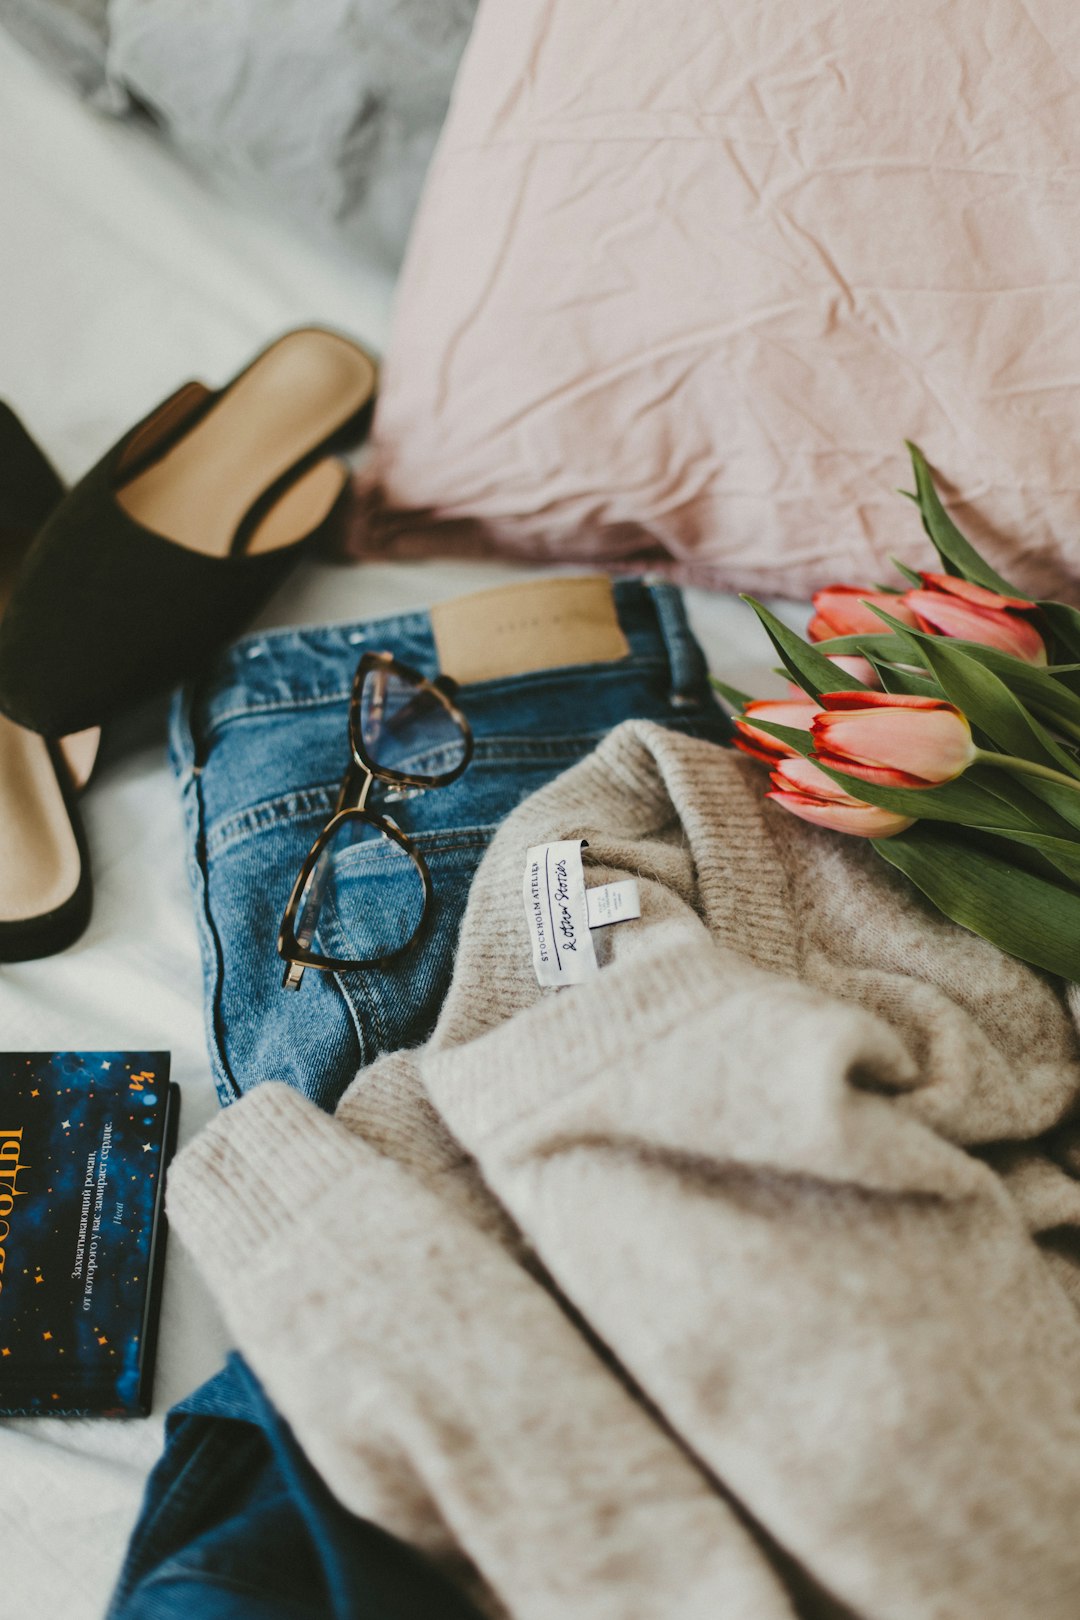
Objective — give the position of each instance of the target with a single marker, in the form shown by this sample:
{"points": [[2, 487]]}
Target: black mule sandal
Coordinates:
{"points": [[30, 486], [166, 548], [45, 889]]}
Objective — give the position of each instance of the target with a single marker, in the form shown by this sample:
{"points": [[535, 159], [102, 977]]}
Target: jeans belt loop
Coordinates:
{"points": [[689, 671]]}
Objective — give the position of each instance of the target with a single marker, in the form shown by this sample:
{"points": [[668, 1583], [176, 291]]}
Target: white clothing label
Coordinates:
{"points": [[613, 902], [558, 914]]}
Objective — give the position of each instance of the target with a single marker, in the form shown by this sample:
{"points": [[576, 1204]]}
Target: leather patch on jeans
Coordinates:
{"points": [[516, 629]]}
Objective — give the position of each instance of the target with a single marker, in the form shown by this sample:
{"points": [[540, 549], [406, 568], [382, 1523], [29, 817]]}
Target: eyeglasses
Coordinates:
{"points": [[364, 886]]}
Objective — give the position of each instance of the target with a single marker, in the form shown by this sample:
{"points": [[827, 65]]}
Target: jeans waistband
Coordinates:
{"points": [[313, 665]]}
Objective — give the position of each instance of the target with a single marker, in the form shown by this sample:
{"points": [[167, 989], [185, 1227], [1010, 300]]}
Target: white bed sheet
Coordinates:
{"points": [[121, 276]]}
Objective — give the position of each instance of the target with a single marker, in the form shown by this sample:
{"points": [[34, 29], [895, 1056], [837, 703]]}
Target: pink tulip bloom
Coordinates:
{"points": [[801, 775], [841, 610], [977, 595], [800, 787], [946, 611], [892, 740], [860, 668], [798, 715]]}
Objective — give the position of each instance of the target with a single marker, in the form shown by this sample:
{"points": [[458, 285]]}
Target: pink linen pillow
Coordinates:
{"points": [[685, 275]]}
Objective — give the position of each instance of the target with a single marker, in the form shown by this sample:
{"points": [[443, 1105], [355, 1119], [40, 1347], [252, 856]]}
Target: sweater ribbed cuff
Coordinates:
{"points": [[563, 1041], [238, 1186]]}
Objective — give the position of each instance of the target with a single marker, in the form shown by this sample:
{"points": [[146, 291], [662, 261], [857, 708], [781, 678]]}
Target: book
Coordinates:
{"points": [[85, 1140]]}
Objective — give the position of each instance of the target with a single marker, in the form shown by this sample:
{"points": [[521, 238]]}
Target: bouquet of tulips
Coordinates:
{"points": [[942, 722]]}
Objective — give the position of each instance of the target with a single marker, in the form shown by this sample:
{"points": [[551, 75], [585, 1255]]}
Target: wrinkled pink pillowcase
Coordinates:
{"points": [[685, 275]]}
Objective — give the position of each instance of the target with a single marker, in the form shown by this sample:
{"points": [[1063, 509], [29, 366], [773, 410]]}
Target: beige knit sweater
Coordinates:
{"points": [[740, 1282]]}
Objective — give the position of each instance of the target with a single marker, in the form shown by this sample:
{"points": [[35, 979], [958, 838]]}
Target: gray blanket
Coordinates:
{"points": [[330, 107]]}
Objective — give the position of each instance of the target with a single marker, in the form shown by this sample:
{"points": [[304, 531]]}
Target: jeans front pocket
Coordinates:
{"points": [[318, 1037], [258, 1030]]}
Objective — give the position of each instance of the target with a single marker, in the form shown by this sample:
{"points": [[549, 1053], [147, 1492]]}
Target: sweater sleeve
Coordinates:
{"points": [[439, 1388], [837, 1310]]}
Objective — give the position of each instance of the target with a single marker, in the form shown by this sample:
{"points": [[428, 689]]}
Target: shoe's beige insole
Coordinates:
{"points": [[39, 858], [296, 395], [80, 750]]}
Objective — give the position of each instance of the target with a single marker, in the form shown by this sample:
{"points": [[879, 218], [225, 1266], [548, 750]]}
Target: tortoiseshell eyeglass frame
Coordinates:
{"points": [[351, 804]]}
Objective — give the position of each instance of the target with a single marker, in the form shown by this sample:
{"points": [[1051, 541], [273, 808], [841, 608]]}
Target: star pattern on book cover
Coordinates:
{"points": [[81, 1148]]}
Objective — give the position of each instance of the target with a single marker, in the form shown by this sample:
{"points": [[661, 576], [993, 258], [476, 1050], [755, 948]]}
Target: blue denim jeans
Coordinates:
{"points": [[260, 747], [234, 1522], [236, 1525]]}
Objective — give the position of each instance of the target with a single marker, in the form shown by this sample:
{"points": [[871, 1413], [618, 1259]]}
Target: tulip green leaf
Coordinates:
{"points": [[1036, 686], [1014, 791], [884, 652], [904, 641], [1067, 676], [868, 644], [957, 553], [906, 681], [809, 668], [1064, 621], [902, 568], [1029, 917], [1033, 683], [1064, 853], [800, 741], [1062, 799]]}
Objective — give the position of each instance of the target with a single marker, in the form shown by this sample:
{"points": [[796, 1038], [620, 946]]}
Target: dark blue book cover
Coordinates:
{"points": [[85, 1138]]}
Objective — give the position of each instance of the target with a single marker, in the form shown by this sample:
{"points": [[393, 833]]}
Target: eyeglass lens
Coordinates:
{"points": [[364, 896], [408, 728]]}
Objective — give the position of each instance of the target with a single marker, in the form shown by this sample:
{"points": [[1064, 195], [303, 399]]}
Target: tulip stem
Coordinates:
{"points": [[1026, 767]]}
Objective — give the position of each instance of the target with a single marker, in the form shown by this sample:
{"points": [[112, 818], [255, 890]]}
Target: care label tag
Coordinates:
{"points": [[558, 914], [613, 902]]}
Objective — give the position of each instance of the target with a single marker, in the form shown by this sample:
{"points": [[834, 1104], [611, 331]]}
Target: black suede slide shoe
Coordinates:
{"points": [[165, 549], [30, 487], [45, 890]]}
